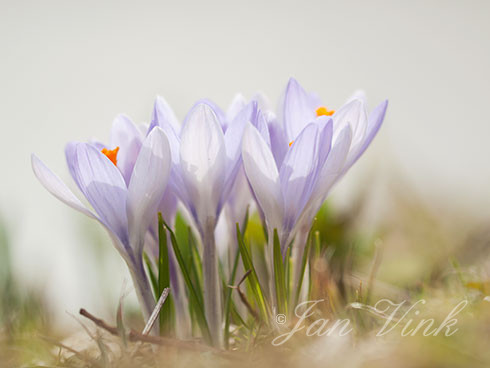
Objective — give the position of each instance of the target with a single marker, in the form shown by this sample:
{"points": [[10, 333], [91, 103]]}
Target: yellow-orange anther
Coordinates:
{"points": [[111, 154], [291, 143], [323, 111]]}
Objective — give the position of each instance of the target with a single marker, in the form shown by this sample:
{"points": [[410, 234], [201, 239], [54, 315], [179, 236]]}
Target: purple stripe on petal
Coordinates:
{"points": [[263, 176], [104, 187], [297, 173], [125, 135], [56, 187], [147, 185], [374, 124], [203, 162], [298, 109], [163, 114]]}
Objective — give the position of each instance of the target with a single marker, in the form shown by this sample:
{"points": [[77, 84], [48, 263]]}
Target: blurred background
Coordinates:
{"points": [[68, 67]]}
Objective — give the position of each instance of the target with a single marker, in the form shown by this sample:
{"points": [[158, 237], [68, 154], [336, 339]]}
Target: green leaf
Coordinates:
{"points": [[228, 300], [288, 266], [195, 301], [306, 256], [253, 280], [151, 273], [163, 277], [279, 277]]}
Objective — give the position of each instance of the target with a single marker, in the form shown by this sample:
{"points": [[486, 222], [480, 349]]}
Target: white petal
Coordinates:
{"points": [[103, 185], [56, 187], [126, 135], [203, 162], [332, 169], [262, 173], [353, 114], [297, 109], [238, 103], [147, 185], [163, 114]]}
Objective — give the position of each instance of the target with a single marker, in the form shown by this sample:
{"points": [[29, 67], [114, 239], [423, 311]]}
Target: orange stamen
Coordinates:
{"points": [[291, 143], [111, 154], [323, 111]]}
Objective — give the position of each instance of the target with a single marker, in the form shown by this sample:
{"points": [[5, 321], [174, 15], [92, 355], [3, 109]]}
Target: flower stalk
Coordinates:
{"points": [[212, 290]]}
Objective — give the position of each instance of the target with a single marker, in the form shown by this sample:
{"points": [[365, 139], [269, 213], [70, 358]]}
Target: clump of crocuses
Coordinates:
{"points": [[160, 190]]}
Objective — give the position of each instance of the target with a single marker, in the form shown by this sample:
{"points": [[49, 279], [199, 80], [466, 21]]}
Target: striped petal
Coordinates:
{"points": [[263, 176], [203, 162], [147, 185], [104, 187]]}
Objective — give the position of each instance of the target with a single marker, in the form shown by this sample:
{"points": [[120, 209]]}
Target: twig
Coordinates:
{"points": [[242, 296], [99, 322], [157, 340]]}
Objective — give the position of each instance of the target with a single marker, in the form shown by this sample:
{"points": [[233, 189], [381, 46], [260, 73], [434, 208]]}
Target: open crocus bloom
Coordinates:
{"points": [[311, 148], [283, 191], [123, 185], [353, 130]]}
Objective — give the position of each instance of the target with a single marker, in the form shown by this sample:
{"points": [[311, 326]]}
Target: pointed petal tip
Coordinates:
{"points": [[292, 81]]}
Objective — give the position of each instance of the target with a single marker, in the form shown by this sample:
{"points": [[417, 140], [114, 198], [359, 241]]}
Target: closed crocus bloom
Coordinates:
{"points": [[206, 159], [124, 185]]}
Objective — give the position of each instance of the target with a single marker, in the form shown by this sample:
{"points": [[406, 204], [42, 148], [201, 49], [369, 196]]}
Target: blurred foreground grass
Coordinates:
{"points": [[417, 252]]}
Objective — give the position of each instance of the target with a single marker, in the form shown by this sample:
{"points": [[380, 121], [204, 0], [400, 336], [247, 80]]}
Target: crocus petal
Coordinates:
{"points": [[103, 186], [71, 158], [163, 114], [126, 135], [262, 101], [332, 169], [234, 133], [298, 109], [263, 176], [278, 142], [374, 123], [237, 105], [358, 95], [233, 142], [147, 185], [262, 124], [299, 171], [353, 114], [56, 187], [202, 162], [220, 115]]}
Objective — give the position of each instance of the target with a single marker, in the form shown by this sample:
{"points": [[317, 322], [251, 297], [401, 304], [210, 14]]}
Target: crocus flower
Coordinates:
{"points": [[206, 159], [353, 131], [284, 191], [124, 186], [292, 176]]}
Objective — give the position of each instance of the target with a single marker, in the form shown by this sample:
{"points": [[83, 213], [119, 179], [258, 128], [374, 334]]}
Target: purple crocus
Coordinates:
{"points": [[353, 131], [123, 185], [283, 192], [311, 148], [206, 159]]}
